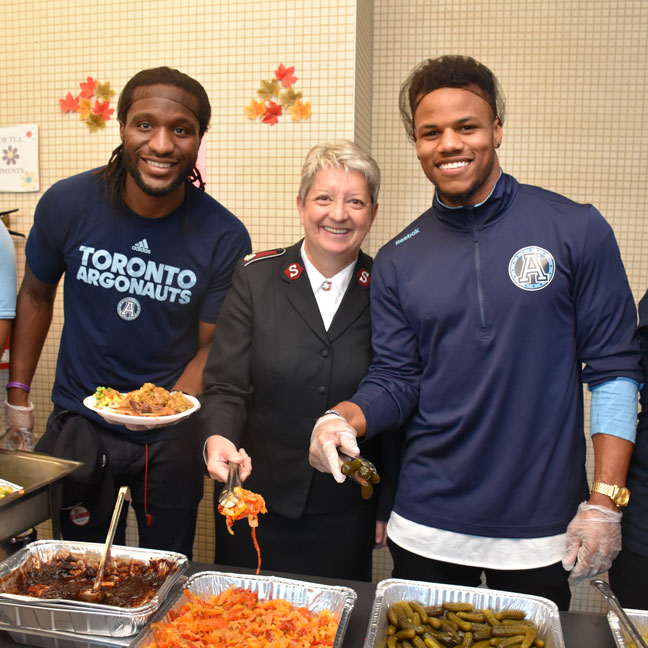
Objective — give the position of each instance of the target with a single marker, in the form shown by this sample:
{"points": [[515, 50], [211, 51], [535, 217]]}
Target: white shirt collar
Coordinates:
{"points": [[340, 281], [327, 300]]}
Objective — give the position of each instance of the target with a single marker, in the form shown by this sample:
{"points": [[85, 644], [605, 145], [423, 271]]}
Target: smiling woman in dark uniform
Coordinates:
{"points": [[293, 337]]}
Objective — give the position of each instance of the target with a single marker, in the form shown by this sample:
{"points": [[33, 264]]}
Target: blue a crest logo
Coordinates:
{"points": [[532, 268]]}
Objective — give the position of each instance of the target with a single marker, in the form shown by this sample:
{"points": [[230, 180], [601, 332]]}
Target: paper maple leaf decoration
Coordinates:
{"points": [[285, 75], [272, 113], [300, 110], [277, 94], [69, 104], [255, 109], [93, 115]]}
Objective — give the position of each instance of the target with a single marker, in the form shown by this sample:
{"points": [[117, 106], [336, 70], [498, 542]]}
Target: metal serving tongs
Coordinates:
{"points": [[614, 603], [228, 498]]}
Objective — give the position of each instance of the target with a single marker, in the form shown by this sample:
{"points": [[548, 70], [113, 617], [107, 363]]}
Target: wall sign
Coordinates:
{"points": [[19, 158]]}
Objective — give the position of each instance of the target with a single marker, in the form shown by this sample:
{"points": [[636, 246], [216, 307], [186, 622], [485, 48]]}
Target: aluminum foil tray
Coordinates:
{"points": [[75, 616], [543, 611], [54, 639], [638, 617], [14, 487], [314, 596]]}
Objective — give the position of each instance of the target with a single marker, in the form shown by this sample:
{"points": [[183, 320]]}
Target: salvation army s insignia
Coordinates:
{"points": [[532, 268], [293, 271], [363, 277]]}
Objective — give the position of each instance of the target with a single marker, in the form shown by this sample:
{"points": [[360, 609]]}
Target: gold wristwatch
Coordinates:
{"points": [[620, 495]]}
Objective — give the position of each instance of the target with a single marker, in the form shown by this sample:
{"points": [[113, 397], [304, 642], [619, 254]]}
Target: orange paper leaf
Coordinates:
{"points": [[255, 109], [272, 114], [299, 110], [285, 75], [85, 106], [70, 103], [88, 88]]}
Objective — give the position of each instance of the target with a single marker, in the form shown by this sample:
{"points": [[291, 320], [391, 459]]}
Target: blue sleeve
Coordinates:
{"points": [[389, 393], [43, 250], [7, 275], [606, 316], [613, 409]]}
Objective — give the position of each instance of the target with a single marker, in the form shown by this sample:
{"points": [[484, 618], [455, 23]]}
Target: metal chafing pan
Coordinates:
{"points": [[19, 611], [538, 609], [340, 600], [55, 639], [39, 476], [638, 617]]}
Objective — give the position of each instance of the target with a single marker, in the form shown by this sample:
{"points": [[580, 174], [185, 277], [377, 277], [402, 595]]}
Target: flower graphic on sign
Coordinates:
{"points": [[93, 114], [275, 96], [10, 155], [29, 180]]}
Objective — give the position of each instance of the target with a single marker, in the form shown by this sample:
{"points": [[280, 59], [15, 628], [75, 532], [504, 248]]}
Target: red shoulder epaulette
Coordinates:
{"points": [[268, 254]]}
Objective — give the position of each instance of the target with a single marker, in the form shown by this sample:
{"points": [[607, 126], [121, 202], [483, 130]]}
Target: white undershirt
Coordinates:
{"points": [[328, 291], [476, 551]]}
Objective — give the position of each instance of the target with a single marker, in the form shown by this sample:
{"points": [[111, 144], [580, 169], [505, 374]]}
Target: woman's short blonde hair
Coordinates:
{"points": [[343, 154]]}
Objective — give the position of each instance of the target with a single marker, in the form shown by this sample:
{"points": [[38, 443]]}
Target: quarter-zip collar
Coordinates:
{"points": [[483, 214]]}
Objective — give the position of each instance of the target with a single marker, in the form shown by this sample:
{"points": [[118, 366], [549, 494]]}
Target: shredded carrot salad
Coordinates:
{"points": [[248, 505], [236, 618]]}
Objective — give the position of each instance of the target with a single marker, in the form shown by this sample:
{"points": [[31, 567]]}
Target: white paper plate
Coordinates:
{"points": [[140, 422]]}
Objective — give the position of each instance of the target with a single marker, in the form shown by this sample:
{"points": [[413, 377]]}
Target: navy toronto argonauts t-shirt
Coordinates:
{"points": [[135, 288]]}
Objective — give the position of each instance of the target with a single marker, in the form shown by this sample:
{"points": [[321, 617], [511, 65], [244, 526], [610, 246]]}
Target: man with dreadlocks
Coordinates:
{"points": [[147, 258]]}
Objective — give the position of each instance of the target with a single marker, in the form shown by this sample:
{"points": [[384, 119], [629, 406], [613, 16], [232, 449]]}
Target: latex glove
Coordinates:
{"points": [[218, 452], [19, 427], [330, 433], [593, 541]]}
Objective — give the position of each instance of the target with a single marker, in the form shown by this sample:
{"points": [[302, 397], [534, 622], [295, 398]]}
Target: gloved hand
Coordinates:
{"points": [[330, 433], [593, 541], [19, 427]]}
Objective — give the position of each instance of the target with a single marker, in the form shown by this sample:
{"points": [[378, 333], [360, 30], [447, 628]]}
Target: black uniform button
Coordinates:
{"points": [[321, 389], [325, 353]]}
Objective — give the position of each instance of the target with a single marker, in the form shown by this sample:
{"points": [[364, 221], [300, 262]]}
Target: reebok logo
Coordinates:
{"points": [[142, 246]]}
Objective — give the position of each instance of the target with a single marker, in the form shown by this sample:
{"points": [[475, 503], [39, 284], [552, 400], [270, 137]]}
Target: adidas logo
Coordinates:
{"points": [[141, 246]]}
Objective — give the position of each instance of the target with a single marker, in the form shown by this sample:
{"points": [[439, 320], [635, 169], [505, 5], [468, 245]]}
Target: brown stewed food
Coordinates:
{"points": [[127, 583]]}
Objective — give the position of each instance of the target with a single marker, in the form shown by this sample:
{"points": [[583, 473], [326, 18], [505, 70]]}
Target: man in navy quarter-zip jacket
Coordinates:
{"points": [[488, 313]]}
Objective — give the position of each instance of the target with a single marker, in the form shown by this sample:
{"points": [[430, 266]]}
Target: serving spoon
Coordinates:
{"points": [[617, 608], [94, 594]]}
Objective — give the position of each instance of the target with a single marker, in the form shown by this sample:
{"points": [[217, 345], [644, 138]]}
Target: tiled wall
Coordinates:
{"points": [[573, 71]]}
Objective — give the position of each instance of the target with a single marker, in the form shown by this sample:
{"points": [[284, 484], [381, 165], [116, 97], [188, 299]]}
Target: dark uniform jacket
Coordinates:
{"points": [[274, 369]]}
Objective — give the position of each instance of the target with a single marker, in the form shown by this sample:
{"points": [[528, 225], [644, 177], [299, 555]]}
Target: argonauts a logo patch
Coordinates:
{"points": [[532, 268], [129, 308]]}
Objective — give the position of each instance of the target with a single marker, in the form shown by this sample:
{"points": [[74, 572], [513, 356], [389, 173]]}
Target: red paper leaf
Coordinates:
{"points": [[272, 114], [285, 75], [70, 103], [88, 88], [103, 108]]}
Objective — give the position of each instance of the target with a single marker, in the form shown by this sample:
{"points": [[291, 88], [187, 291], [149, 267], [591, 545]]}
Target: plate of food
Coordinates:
{"points": [[144, 408]]}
